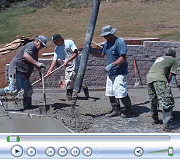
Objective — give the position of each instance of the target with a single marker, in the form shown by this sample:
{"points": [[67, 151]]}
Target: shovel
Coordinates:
{"points": [[42, 109], [135, 71]]}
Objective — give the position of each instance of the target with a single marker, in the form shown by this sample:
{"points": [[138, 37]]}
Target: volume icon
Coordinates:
{"points": [[138, 151]]}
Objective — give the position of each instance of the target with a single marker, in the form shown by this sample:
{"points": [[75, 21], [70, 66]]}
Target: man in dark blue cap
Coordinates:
{"points": [[67, 51]]}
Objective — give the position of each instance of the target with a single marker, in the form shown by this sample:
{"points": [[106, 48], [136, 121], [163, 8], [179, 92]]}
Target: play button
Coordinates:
{"points": [[138, 151], [17, 151]]}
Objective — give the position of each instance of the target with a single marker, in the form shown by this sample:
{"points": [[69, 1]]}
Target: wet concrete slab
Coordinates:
{"points": [[2, 113], [90, 114], [32, 125]]}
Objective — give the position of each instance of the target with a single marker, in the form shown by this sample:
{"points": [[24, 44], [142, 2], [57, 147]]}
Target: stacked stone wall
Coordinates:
{"points": [[144, 55]]}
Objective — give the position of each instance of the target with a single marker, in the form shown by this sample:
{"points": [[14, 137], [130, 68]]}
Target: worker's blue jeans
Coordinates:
{"points": [[20, 83], [11, 86]]}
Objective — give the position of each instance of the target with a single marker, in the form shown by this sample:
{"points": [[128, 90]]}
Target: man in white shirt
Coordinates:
{"points": [[67, 51]]}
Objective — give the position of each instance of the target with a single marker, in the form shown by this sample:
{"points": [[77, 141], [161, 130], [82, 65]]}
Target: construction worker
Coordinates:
{"points": [[116, 84], [160, 74], [20, 70], [67, 51]]}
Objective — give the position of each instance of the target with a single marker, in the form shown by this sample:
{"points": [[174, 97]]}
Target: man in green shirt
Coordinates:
{"points": [[159, 90]]}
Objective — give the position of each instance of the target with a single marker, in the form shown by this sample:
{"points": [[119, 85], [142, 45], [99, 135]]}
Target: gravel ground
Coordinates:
{"points": [[89, 115]]}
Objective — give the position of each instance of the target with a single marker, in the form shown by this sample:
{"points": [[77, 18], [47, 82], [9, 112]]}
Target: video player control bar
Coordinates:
{"points": [[89, 146]]}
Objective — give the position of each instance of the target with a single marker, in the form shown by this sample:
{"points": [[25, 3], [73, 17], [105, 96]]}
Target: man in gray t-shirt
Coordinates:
{"points": [[20, 70]]}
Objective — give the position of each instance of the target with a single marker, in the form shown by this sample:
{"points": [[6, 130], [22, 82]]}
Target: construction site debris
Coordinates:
{"points": [[20, 41]]}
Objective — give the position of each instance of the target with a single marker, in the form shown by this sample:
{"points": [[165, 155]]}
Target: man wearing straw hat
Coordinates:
{"points": [[116, 84]]}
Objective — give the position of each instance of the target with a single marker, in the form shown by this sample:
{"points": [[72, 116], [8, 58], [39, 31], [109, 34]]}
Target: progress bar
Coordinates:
{"points": [[97, 138]]}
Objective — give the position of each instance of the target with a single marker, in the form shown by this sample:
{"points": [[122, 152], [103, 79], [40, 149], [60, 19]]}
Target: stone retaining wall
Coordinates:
{"points": [[144, 54]]}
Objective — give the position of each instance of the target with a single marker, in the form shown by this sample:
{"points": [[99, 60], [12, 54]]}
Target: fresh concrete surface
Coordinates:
{"points": [[89, 115]]}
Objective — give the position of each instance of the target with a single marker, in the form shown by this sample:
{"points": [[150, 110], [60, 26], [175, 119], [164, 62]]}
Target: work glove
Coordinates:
{"points": [[108, 67], [41, 66]]}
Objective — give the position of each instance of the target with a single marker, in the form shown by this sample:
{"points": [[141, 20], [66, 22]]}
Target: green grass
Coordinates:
{"points": [[130, 18], [173, 36], [9, 24]]}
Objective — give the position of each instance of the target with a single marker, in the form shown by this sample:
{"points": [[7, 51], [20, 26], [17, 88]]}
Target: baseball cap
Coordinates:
{"points": [[42, 39], [171, 52], [55, 37]]}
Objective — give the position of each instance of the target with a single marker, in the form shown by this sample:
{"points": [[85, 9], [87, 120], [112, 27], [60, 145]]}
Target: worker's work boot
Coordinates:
{"points": [[27, 101], [115, 110], [2, 92], [167, 120], [128, 107], [155, 118], [169, 126], [86, 92], [12, 93], [69, 94], [154, 110]]}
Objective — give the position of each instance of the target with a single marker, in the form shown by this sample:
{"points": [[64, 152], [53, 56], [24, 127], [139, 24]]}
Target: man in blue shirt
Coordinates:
{"points": [[116, 84]]}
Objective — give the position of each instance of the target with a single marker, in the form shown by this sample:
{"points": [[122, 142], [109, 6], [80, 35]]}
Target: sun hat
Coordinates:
{"points": [[42, 39], [55, 37], [107, 30]]}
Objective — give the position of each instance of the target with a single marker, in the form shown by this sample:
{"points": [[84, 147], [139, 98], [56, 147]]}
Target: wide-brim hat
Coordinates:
{"points": [[108, 30]]}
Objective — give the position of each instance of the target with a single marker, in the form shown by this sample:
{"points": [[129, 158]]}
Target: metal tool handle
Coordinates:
{"points": [[97, 44], [44, 95], [42, 109], [44, 77]]}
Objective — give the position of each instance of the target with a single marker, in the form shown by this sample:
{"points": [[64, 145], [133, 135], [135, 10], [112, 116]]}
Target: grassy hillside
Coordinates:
{"points": [[131, 18]]}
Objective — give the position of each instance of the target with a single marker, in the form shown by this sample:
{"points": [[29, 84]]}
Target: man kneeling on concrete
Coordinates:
{"points": [[159, 90], [20, 70]]}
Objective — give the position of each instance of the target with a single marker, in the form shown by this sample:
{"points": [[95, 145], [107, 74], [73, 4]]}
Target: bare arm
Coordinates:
{"points": [[120, 60], [170, 77], [27, 57], [74, 55]]}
